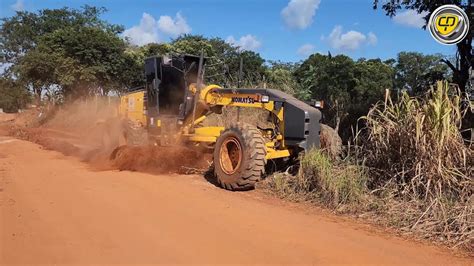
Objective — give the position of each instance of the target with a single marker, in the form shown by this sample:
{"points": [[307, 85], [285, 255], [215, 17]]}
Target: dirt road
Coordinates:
{"points": [[57, 210]]}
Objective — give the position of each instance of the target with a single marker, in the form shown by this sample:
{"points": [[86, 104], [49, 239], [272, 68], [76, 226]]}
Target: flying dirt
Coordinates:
{"points": [[79, 130]]}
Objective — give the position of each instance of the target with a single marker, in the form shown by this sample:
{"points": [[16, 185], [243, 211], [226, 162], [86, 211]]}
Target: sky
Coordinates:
{"points": [[286, 30]]}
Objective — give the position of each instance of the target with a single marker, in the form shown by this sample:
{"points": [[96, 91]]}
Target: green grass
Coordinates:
{"points": [[335, 185]]}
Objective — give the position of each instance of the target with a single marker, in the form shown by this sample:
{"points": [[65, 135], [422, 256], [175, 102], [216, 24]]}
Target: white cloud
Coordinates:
{"points": [[298, 14], [247, 42], [19, 5], [173, 27], [349, 41], [146, 32], [149, 30], [372, 38], [306, 50], [410, 18]]}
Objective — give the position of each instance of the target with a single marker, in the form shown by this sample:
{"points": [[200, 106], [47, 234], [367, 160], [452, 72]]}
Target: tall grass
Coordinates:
{"points": [[420, 164], [411, 170]]}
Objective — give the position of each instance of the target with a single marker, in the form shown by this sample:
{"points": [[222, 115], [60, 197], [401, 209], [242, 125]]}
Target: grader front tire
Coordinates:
{"points": [[239, 157]]}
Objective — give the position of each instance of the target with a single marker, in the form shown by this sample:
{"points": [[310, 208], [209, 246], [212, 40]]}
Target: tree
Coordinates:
{"points": [[223, 60], [21, 32], [81, 60], [253, 69], [14, 96], [348, 88], [153, 49], [416, 72], [70, 48], [279, 75], [328, 78], [461, 71]]}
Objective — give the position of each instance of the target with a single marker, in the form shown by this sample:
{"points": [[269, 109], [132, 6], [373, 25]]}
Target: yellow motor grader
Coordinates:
{"points": [[173, 106]]}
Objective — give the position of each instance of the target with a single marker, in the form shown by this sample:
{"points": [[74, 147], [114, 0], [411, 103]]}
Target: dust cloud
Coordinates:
{"points": [[92, 131]]}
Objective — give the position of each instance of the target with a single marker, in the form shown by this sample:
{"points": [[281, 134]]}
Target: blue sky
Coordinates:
{"points": [[287, 30]]}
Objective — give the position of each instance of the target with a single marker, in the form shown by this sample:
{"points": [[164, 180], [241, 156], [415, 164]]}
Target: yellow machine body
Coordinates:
{"points": [[132, 107], [210, 96]]}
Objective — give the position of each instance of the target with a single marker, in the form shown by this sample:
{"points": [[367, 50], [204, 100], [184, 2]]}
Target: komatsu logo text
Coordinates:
{"points": [[248, 99]]}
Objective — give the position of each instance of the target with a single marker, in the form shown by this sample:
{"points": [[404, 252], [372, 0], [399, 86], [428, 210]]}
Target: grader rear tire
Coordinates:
{"points": [[239, 157]]}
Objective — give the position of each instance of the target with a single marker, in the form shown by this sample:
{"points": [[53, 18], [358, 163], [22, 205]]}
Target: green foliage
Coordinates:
{"points": [[279, 75], [13, 96], [333, 185], [21, 32], [349, 88], [416, 72], [67, 48], [224, 60], [340, 186], [153, 49], [392, 6]]}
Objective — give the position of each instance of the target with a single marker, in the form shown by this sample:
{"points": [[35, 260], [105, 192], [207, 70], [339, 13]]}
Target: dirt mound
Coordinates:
{"points": [[31, 117], [160, 160], [150, 159], [39, 136], [6, 117]]}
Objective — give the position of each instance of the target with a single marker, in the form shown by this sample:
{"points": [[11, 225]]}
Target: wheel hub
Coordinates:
{"points": [[230, 155]]}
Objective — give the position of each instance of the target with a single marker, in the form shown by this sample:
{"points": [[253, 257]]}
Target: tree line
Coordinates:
{"points": [[63, 54]]}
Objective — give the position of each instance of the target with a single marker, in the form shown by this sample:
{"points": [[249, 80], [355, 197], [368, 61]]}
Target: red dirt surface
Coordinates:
{"points": [[55, 210]]}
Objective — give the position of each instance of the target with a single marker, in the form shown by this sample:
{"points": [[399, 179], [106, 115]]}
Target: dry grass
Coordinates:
{"points": [[420, 165], [417, 173]]}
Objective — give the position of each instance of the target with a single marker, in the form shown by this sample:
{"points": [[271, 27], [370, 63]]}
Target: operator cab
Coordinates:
{"points": [[167, 81]]}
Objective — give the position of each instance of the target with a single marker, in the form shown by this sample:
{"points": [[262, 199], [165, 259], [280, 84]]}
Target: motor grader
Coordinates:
{"points": [[174, 104]]}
